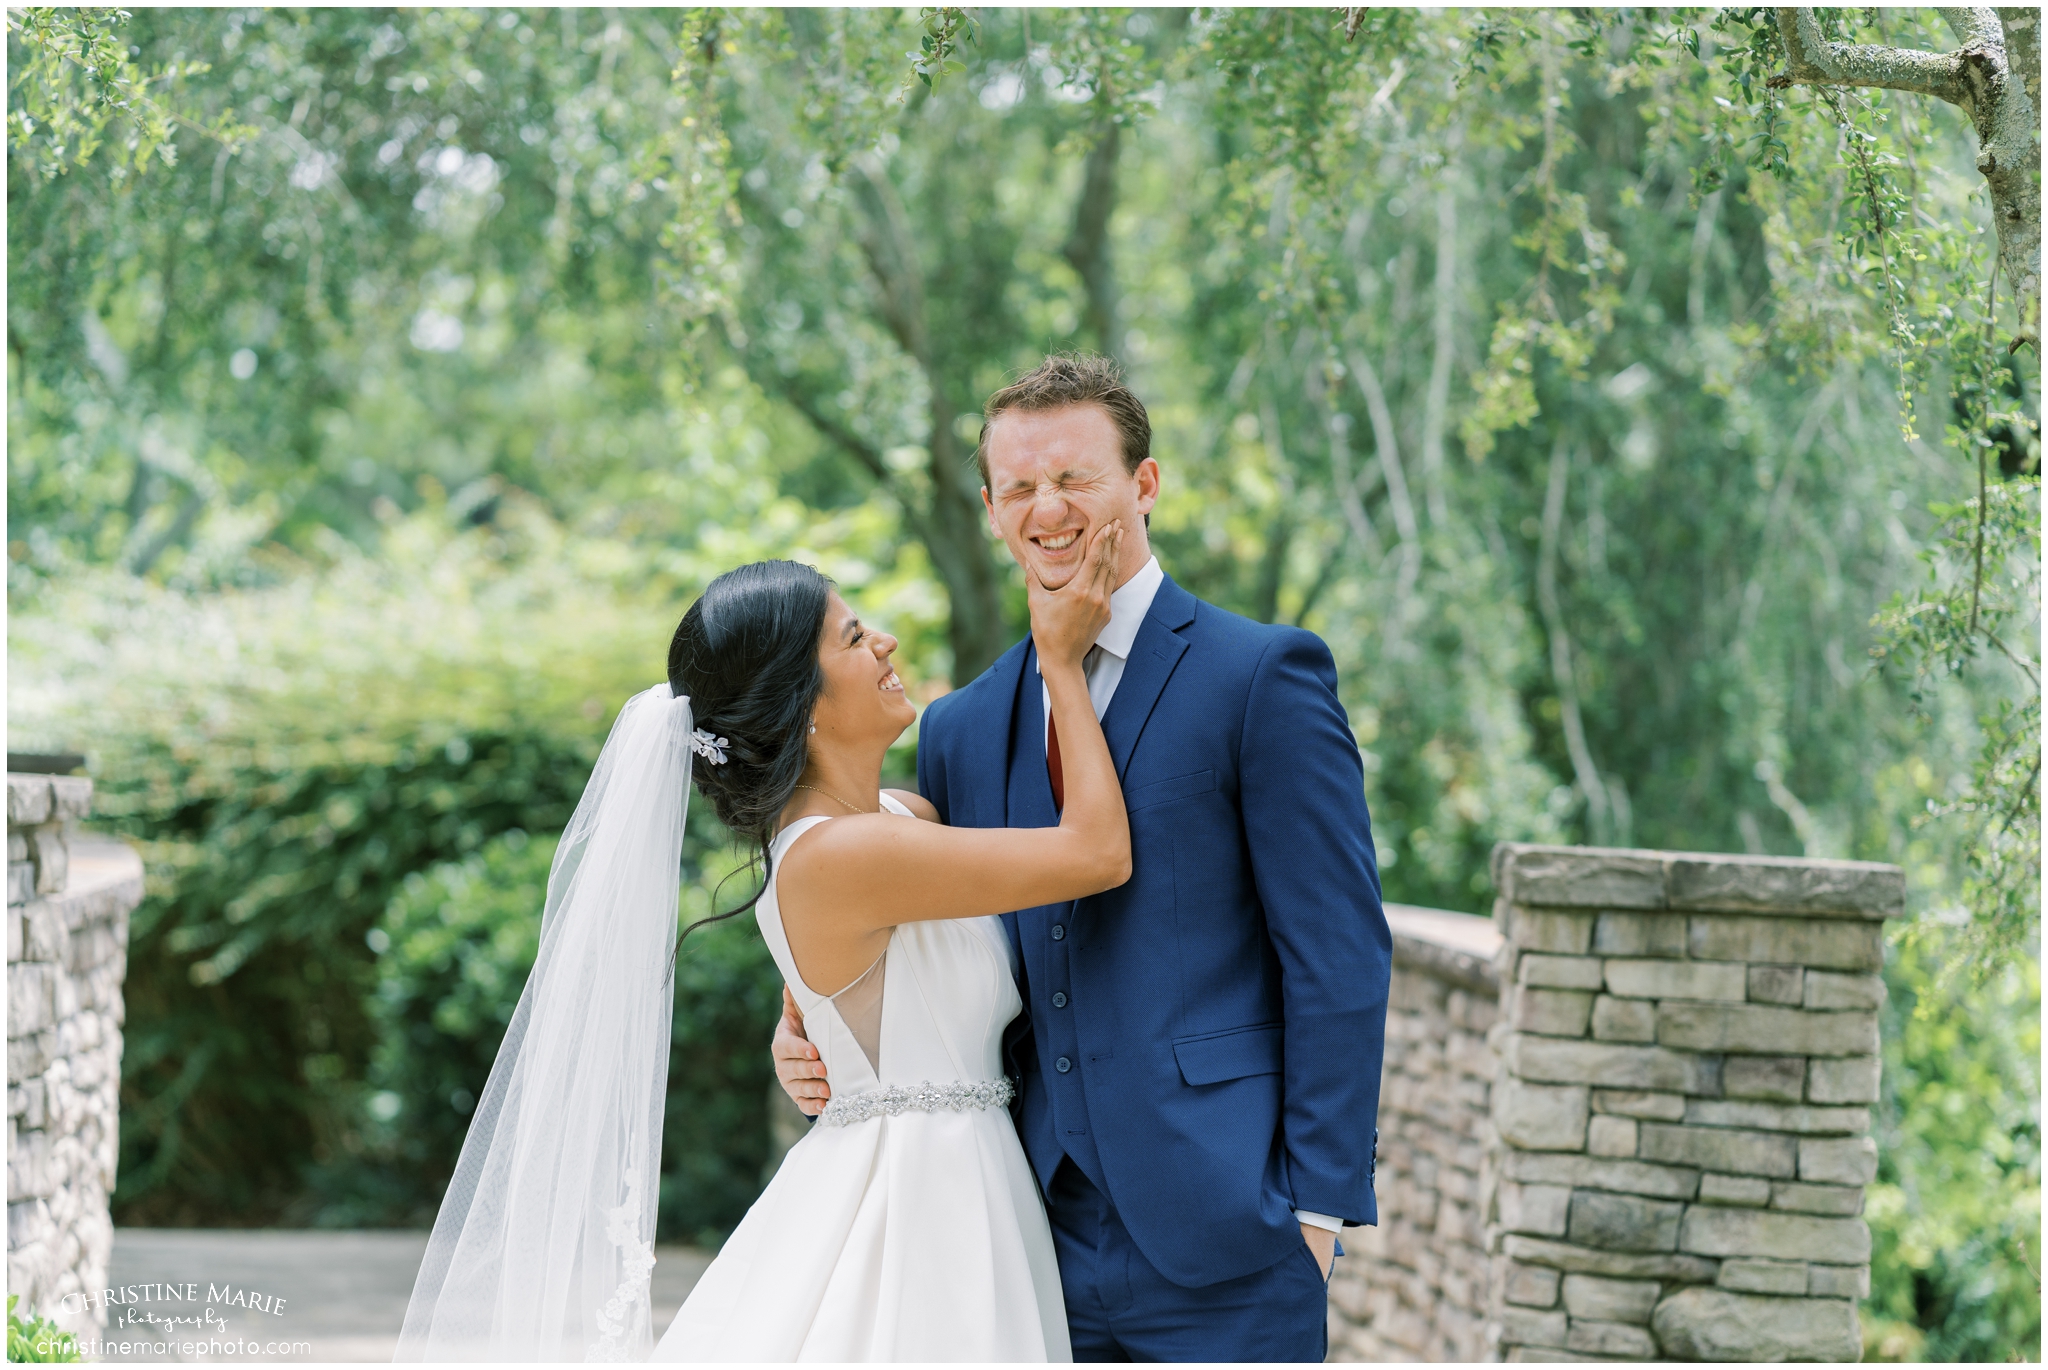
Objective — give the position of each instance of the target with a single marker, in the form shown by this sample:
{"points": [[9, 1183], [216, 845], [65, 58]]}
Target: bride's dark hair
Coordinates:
{"points": [[746, 654]]}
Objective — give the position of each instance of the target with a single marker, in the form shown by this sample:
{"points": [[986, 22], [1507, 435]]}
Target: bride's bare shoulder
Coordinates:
{"points": [[916, 803]]}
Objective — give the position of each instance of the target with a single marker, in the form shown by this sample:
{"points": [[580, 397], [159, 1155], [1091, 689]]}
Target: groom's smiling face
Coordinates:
{"points": [[1057, 475]]}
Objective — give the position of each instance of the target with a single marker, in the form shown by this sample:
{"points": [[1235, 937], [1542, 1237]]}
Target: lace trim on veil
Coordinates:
{"points": [[631, 1300]]}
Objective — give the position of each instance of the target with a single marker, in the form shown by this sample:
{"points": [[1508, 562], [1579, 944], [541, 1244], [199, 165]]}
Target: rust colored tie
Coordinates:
{"points": [[1052, 764]]}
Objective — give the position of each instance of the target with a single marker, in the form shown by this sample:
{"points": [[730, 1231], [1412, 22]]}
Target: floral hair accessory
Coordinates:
{"points": [[711, 748]]}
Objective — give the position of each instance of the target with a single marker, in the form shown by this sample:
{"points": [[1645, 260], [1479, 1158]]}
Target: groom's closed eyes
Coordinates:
{"points": [[1069, 479]]}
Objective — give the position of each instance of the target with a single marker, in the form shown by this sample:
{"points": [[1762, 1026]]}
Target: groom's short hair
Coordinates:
{"points": [[1063, 380]]}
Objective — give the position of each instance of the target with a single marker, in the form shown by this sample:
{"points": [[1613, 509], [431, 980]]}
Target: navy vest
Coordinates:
{"points": [[1053, 1117]]}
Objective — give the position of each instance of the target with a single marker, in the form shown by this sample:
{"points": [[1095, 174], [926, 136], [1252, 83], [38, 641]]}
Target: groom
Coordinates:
{"points": [[1200, 1052]]}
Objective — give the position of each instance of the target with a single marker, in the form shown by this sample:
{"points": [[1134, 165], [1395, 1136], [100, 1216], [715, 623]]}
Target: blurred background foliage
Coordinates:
{"points": [[383, 384]]}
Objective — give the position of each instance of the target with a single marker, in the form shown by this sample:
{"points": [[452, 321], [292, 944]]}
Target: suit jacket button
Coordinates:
{"points": [[1059, 930], [1063, 1065], [1059, 1001]]}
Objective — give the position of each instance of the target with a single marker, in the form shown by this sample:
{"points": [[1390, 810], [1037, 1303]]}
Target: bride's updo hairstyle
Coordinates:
{"points": [[746, 654]]}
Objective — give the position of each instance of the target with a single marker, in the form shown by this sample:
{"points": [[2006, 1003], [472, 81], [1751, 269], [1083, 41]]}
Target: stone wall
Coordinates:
{"points": [[1416, 1286], [68, 901], [1639, 1128]]}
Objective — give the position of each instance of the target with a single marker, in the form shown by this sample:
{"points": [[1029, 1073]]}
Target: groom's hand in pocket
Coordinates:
{"points": [[1322, 1243], [796, 1060]]}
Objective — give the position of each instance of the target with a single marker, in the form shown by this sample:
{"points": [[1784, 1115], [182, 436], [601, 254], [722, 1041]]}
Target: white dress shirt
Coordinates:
{"points": [[1104, 664], [1104, 667]]}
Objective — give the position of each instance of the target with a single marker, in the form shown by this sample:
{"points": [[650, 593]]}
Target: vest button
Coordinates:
{"points": [[1063, 1065], [1059, 1001], [1059, 930]]}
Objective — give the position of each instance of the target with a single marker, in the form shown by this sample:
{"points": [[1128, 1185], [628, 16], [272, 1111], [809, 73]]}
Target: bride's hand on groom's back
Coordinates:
{"points": [[796, 1060]]}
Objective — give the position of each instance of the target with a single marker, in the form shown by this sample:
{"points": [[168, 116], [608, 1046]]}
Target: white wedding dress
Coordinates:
{"points": [[913, 1232]]}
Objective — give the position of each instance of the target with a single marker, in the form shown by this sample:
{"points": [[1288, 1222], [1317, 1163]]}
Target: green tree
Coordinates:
{"points": [[429, 212], [878, 310]]}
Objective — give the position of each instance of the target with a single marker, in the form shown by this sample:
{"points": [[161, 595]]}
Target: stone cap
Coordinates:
{"points": [[105, 883], [34, 799], [1696, 882], [1458, 947]]}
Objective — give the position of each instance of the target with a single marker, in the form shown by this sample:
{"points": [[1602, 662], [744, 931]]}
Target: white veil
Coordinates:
{"points": [[545, 1239]]}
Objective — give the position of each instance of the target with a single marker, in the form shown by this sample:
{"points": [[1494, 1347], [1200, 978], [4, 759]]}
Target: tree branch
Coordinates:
{"points": [[1980, 79], [1813, 60], [853, 444], [1280, 532], [951, 525], [1437, 404], [2025, 792], [1583, 767], [1702, 245], [1972, 25], [177, 531], [1350, 498], [1398, 500], [886, 241], [2027, 668], [1387, 448], [1087, 247], [1333, 562], [2022, 28]]}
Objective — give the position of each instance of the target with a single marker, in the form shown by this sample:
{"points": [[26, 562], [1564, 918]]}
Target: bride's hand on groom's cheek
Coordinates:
{"points": [[796, 1061], [1065, 622]]}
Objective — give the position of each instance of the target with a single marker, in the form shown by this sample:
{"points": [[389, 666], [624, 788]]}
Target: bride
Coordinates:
{"points": [[906, 1225]]}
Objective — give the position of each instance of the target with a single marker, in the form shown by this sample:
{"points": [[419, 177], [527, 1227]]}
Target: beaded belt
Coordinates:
{"points": [[957, 1097]]}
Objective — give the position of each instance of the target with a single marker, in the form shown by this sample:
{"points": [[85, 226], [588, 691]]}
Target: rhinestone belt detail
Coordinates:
{"points": [[958, 1097]]}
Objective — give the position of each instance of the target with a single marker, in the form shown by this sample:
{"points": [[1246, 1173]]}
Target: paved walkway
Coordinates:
{"points": [[339, 1296]]}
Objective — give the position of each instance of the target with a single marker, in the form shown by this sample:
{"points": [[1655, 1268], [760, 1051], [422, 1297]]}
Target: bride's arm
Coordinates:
{"points": [[797, 1063], [873, 871]]}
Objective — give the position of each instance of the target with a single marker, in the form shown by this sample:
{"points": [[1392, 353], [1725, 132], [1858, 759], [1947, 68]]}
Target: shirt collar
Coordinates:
{"points": [[1128, 605]]}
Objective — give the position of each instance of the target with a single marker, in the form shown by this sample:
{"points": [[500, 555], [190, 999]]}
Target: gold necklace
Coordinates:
{"points": [[835, 798]]}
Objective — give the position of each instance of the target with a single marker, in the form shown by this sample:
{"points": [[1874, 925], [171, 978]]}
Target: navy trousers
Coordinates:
{"points": [[1121, 1309]]}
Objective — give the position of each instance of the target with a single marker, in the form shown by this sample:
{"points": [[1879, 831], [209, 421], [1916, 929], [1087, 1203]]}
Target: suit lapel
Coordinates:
{"points": [[985, 753], [1027, 788], [1155, 653], [1026, 711], [1157, 649]]}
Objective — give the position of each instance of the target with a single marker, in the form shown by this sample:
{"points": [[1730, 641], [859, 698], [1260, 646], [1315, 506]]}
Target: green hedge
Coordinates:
{"points": [[249, 968], [1955, 1213], [319, 982], [453, 952], [309, 761], [38, 1340], [454, 949]]}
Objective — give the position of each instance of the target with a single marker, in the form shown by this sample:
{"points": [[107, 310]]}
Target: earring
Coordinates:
{"points": [[814, 727]]}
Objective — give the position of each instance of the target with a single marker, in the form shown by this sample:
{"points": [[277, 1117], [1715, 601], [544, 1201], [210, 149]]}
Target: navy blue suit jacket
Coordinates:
{"points": [[1205, 1040]]}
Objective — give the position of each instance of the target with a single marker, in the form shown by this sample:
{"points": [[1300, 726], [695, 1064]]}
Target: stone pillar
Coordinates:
{"points": [[1681, 1126], [68, 901]]}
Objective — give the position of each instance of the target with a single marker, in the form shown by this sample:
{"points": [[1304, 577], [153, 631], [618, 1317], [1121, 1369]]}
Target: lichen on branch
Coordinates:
{"points": [[1994, 78]]}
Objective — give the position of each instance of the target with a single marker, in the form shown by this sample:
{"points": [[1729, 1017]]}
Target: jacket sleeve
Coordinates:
{"points": [[931, 765], [1302, 791]]}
